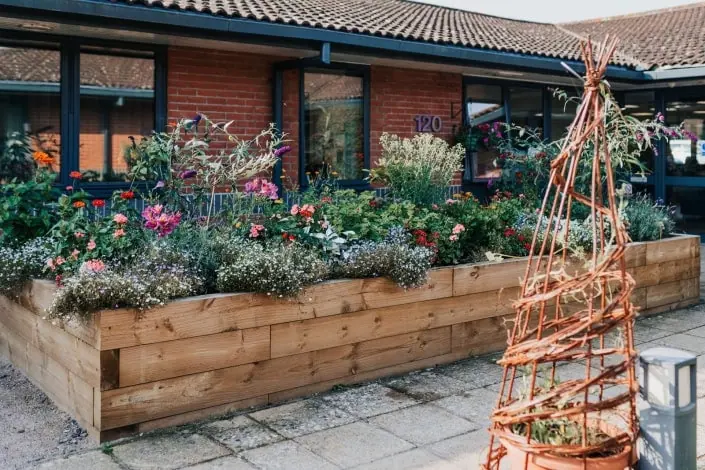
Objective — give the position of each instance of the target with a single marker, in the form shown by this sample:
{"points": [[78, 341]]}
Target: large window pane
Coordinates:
{"points": [[686, 156], [484, 108], [30, 110], [564, 105], [526, 105], [333, 107], [689, 209], [117, 101]]}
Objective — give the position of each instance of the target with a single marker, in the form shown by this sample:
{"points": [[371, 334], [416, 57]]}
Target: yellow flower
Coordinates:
{"points": [[238, 225], [457, 196], [335, 173], [279, 201]]}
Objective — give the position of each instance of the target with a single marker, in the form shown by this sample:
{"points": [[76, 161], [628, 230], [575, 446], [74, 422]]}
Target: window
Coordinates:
{"points": [[334, 125], [686, 156], [484, 108], [78, 105], [526, 107], [30, 111], [117, 101]]}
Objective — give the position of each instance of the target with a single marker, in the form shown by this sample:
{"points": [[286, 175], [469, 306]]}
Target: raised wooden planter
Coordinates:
{"points": [[126, 372]]}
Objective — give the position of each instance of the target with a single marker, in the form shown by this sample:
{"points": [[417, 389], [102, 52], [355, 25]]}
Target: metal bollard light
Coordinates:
{"points": [[668, 415]]}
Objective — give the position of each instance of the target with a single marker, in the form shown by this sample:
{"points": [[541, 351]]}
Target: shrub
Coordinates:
{"points": [[19, 265], [419, 169], [149, 282], [394, 258], [275, 269], [647, 220]]}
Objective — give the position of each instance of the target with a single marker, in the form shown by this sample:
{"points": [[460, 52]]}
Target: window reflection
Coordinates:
{"points": [[526, 105], [485, 108], [564, 105], [333, 107], [117, 101], [30, 110], [686, 156]]}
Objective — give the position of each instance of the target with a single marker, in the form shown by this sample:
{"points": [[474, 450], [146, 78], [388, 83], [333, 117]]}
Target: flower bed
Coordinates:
{"points": [[126, 371]]}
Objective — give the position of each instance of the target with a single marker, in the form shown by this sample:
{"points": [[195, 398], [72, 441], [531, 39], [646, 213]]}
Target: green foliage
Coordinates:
{"points": [[27, 209], [19, 265], [647, 220], [276, 268], [419, 169]]}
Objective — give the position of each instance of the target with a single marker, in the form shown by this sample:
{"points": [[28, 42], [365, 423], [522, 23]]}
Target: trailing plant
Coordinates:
{"points": [[279, 269], [418, 169], [647, 220], [150, 281], [21, 264]]}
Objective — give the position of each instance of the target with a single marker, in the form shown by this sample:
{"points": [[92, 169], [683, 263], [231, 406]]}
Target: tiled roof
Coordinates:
{"points": [[668, 37]]}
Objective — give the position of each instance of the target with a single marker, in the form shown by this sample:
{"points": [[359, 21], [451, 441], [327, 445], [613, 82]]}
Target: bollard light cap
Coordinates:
{"points": [[667, 356]]}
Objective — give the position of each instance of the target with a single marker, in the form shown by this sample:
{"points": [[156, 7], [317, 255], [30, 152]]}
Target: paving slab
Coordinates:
{"points": [[423, 424], [694, 344], [168, 451], [353, 444], [427, 385], [241, 433], [94, 460], [369, 400], [466, 451], [475, 406], [678, 321], [417, 459], [302, 417], [644, 334], [477, 372], [286, 455], [223, 463]]}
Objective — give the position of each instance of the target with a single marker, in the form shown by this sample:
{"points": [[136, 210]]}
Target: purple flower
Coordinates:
{"points": [[490, 183], [160, 184], [282, 150], [196, 119], [186, 174], [660, 117]]}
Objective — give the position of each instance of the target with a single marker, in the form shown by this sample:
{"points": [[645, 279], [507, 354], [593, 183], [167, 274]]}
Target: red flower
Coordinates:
{"points": [[98, 203], [79, 204], [285, 236], [520, 238], [75, 175], [126, 195], [509, 232], [527, 246], [373, 203]]}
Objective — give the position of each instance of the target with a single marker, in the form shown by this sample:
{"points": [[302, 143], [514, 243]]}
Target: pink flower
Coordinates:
{"points": [[262, 188], [451, 201], [458, 229], [50, 264], [295, 209], [255, 230], [307, 211], [160, 221], [120, 219], [69, 188], [119, 233], [323, 224], [91, 245], [93, 266], [74, 254], [79, 235], [60, 260], [453, 238]]}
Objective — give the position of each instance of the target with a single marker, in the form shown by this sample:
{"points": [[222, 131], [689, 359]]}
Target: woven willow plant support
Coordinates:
{"points": [[546, 333]]}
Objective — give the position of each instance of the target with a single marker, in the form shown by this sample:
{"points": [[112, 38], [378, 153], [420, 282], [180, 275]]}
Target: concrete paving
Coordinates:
{"points": [[433, 420]]}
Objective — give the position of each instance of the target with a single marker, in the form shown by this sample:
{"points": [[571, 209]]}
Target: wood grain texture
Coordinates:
{"points": [[484, 277], [671, 249], [665, 272], [321, 333], [150, 362], [672, 293], [75, 355], [155, 400]]}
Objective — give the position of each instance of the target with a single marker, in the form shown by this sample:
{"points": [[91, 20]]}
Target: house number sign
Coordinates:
{"points": [[428, 123]]}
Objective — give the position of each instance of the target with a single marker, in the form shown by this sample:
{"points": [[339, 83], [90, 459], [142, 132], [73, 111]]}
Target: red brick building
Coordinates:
{"points": [[87, 74]]}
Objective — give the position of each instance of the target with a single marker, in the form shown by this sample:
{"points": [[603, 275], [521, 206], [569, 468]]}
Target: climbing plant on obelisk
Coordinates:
{"points": [[568, 311]]}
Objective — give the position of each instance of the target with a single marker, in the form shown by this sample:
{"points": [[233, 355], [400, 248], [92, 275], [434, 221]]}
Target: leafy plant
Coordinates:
{"points": [[21, 264], [28, 208], [647, 220], [417, 169]]}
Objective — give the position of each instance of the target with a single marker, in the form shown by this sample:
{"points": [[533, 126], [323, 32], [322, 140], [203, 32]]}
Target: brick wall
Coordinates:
{"points": [[228, 85]]}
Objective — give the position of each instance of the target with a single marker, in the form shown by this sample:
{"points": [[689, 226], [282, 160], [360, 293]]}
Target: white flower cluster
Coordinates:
{"points": [[146, 284], [19, 265], [276, 269], [404, 264]]}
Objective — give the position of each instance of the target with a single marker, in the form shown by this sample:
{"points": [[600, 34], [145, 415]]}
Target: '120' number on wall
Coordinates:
{"points": [[428, 123]]}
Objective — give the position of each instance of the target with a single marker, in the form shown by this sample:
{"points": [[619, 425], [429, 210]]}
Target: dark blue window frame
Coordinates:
{"points": [[70, 49], [319, 66]]}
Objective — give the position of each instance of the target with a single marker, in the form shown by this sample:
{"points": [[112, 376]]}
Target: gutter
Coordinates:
{"points": [[156, 19]]}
